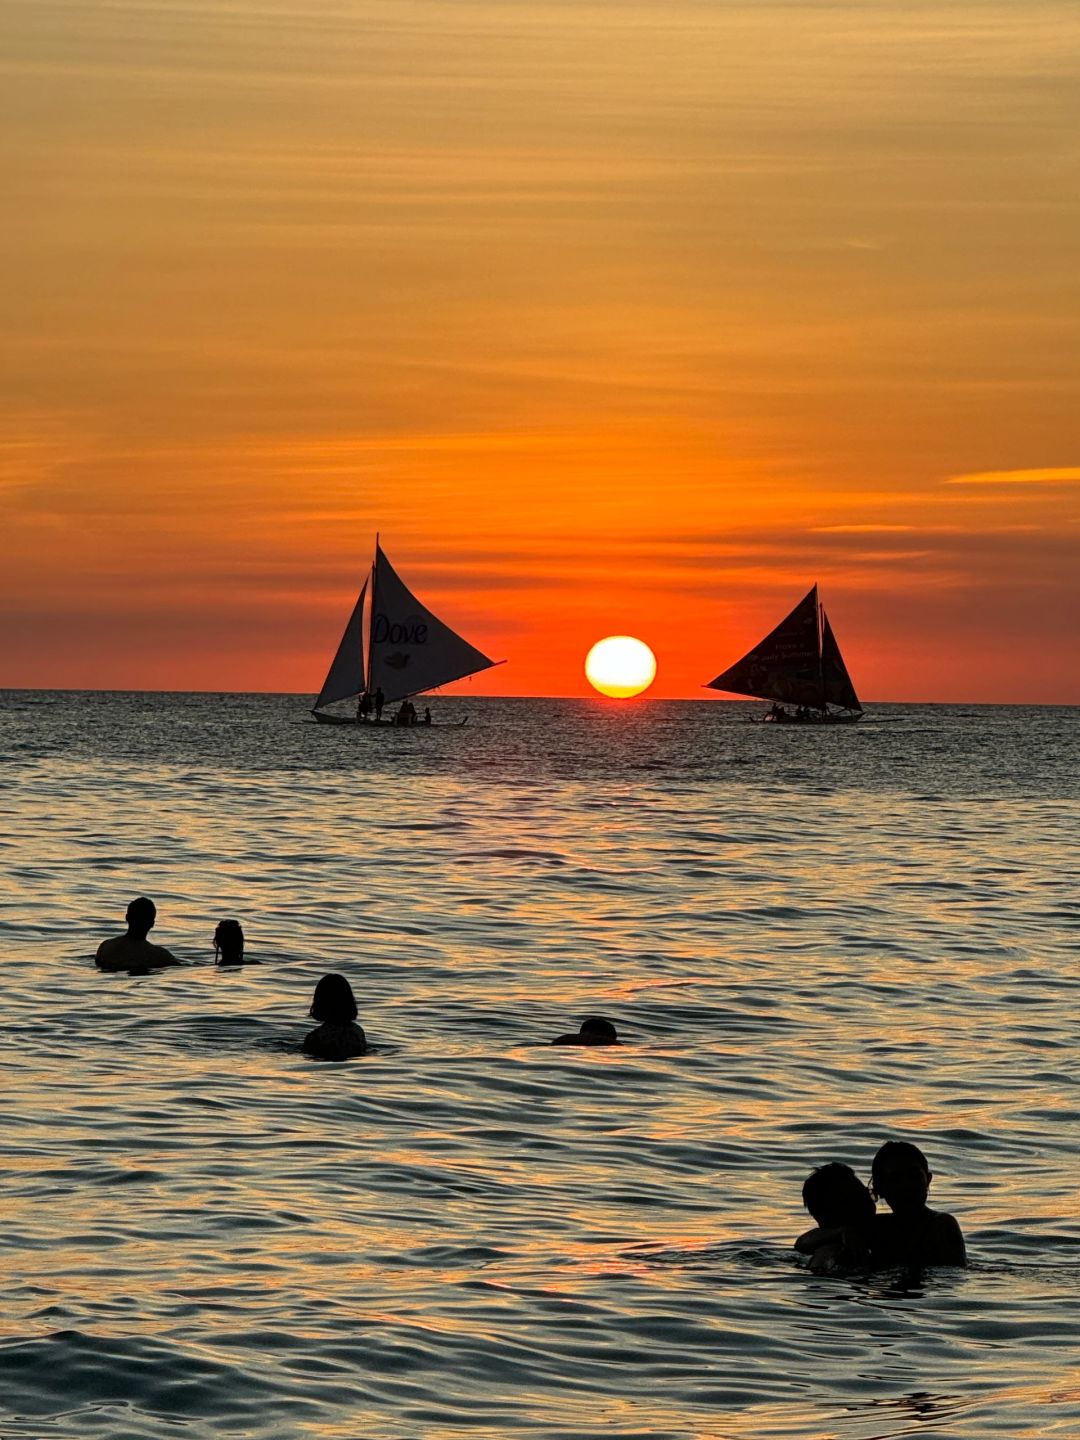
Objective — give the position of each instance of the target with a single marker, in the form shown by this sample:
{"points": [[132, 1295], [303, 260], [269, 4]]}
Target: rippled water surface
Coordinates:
{"points": [[811, 941]]}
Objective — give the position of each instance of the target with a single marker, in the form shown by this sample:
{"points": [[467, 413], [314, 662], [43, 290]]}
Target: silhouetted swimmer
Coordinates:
{"points": [[913, 1234], [594, 1031], [133, 951], [338, 1036], [229, 943], [844, 1210]]}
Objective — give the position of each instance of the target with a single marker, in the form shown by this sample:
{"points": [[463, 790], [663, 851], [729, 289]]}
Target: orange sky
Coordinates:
{"points": [[631, 318]]}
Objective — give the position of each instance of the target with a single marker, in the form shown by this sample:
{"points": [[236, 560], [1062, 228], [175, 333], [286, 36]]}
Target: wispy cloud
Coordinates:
{"points": [[1055, 475], [863, 529]]}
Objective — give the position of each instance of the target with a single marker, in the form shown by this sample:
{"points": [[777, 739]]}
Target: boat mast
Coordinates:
{"points": [[371, 619], [819, 612]]}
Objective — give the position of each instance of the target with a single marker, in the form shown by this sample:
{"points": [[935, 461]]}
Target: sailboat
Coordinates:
{"points": [[403, 650], [799, 663]]}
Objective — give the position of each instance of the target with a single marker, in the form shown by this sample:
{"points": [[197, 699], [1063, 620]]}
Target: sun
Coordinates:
{"points": [[620, 666]]}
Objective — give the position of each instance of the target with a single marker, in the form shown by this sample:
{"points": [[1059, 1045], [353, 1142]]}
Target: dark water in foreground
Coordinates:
{"points": [[812, 941]]}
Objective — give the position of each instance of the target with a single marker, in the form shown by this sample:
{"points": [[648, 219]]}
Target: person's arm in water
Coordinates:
{"points": [[834, 1251], [811, 1240], [829, 1259]]}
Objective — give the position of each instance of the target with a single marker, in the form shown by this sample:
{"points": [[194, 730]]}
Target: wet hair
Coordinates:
{"points": [[333, 1001], [141, 914], [835, 1196], [229, 939], [598, 1030], [896, 1155]]}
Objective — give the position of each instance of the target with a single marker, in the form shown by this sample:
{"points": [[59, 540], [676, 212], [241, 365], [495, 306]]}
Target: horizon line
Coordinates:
{"points": [[716, 697]]}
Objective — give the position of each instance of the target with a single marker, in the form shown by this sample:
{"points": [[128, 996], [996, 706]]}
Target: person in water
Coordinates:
{"points": [[913, 1234], [427, 714], [338, 1036], [594, 1031], [133, 951], [844, 1210], [363, 707], [380, 701], [229, 943]]}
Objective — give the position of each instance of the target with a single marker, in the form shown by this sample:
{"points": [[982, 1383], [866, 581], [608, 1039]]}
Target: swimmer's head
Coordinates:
{"points": [[836, 1197], [597, 1031], [141, 914], [901, 1176], [333, 1001], [229, 942]]}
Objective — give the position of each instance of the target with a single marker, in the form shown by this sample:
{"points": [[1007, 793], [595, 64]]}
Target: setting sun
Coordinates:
{"points": [[620, 666]]}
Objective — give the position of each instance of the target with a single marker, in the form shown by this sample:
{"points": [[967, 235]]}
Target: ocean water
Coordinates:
{"points": [[811, 941]]}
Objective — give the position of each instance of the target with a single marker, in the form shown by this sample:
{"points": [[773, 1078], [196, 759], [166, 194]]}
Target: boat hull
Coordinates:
{"points": [[793, 724], [323, 719]]}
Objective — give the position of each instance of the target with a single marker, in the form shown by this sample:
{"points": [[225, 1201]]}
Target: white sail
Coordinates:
{"points": [[410, 649], [345, 678]]}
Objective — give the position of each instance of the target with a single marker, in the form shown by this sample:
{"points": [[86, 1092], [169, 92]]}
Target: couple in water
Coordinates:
{"points": [[850, 1235], [133, 951]]}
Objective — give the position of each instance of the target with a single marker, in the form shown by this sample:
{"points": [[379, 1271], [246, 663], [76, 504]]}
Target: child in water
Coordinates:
{"points": [[844, 1210], [913, 1234], [338, 1036], [593, 1031]]}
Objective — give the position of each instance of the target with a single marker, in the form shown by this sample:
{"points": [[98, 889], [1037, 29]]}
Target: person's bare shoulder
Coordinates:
{"points": [[109, 951], [948, 1240], [124, 954], [161, 956]]}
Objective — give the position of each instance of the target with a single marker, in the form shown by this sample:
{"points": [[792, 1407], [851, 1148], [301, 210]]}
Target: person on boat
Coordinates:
{"points": [[913, 1234], [594, 1030], [363, 707], [133, 951], [380, 701], [338, 1036], [844, 1211], [229, 943]]}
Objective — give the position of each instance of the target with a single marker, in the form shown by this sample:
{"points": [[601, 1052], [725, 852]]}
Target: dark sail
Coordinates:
{"points": [[838, 687], [786, 665]]}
